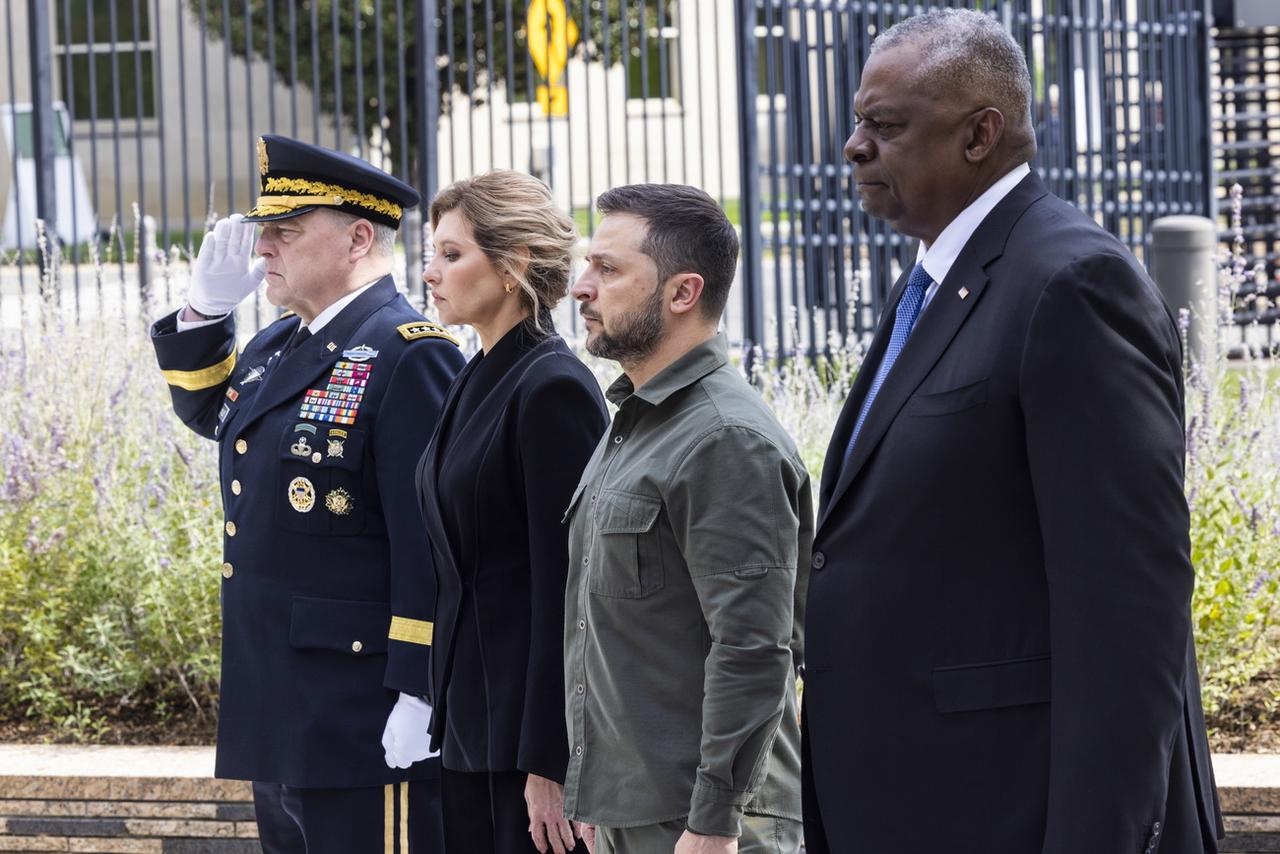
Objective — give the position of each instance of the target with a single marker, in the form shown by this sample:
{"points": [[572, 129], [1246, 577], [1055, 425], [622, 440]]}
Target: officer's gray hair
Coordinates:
{"points": [[966, 51], [384, 236]]}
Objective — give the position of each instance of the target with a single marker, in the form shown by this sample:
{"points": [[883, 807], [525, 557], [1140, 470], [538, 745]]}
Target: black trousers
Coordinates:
{"points": [[399, 818], [485, 813]]}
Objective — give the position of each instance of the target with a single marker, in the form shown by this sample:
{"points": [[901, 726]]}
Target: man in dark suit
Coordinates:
{"points": [[999, 650], [327, 592]]}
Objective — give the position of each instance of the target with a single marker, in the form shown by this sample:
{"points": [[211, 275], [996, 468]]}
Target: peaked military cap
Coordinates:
{"points": [[298, 177]]}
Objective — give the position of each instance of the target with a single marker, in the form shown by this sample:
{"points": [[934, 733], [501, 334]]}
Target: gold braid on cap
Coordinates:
{"points": [[322, 189]]}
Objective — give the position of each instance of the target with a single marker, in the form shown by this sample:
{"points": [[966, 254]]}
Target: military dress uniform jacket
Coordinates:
{"points": [[327, 588]]}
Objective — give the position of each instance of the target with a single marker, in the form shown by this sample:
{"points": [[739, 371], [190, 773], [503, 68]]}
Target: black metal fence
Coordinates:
{"points": [[1247, 133], [136, 120]]}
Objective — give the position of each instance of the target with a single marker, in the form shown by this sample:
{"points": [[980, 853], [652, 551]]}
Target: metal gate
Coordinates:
{"points": [[1121, 112]]}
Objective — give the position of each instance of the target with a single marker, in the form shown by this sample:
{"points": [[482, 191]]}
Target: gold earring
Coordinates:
{"points": [[511, 289]]}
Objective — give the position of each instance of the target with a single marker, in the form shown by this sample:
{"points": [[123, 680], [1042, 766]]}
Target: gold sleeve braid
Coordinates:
{"points": [[203, 378], [411, 631]]}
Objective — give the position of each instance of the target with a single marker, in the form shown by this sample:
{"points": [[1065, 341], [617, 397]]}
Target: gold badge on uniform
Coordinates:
{"points": [[302, 495], [262, 156], [339, 502]]}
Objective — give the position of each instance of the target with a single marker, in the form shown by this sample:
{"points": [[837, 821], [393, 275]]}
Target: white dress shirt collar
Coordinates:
{"points": [[939, 257], [322, 319]]}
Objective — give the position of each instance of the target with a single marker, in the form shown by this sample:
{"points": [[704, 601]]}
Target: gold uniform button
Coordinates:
{"points": [[235, 487], [316, 457], [228, 570], [231, 529], [242, 447], [356, 646]]}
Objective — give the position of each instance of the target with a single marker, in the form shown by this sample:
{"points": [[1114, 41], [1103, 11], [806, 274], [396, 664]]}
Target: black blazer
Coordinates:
{"points": [[999, 657], [519, 425]]}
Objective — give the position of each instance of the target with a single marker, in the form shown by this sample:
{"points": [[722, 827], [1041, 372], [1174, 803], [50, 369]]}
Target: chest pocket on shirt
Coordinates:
{"points": [[627, 554], [319, 488]]}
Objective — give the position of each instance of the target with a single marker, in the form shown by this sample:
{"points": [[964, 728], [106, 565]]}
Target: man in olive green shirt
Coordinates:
{"points": [[688, 533]]}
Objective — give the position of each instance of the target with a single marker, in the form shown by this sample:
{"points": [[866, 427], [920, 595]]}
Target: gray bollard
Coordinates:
{"points": [[1183, 267]]}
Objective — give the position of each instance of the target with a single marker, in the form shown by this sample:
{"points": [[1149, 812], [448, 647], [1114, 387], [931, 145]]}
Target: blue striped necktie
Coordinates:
{"points": [[904, 319]]}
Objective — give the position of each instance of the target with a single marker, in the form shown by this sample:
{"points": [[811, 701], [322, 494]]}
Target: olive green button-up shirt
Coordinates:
{"points": [[689, 550]]}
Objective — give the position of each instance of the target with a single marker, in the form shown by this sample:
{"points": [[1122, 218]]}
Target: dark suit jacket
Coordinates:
{"points": [[520, 424], [999, 650], [326, 596]]}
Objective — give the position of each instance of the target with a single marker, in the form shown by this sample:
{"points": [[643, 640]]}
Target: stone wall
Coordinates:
{"points": [[138, 800]]}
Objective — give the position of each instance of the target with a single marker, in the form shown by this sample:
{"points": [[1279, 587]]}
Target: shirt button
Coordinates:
{"points": [[578, 750], [581, 688], [235, 487], [582, 625], [356, 646], [231, 529], [228, 570], [593, 498], [586, 560], [819, 560], [242, 446], [617, 440], [316, 457]]}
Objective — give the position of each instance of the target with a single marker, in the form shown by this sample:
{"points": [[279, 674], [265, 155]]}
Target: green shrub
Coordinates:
{"points": [[109, 543]]}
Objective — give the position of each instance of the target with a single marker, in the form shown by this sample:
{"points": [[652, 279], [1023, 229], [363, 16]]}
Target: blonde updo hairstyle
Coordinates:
{"points": [[511, 214]]}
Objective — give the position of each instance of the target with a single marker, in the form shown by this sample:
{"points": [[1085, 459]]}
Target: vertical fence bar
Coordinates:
{"points": [[379, 58], [69, 93], [226, 104], [624, 11], [336, 36], [157, 64], [184, 160], [271, 65], [204, 97], [357, 39], [13, 159], [608, 111], [140, 237], [42, 117], [488, 80], [315, 73], [470, 28], [293, 69], [511, 87], [752, 314], [114, 36]]}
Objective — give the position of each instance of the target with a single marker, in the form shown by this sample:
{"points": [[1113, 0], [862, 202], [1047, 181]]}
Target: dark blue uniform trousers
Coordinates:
{"points": [[398, 818]]}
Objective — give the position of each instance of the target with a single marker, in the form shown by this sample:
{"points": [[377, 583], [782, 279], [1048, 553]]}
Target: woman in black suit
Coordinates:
{"points": [[519, 424]]}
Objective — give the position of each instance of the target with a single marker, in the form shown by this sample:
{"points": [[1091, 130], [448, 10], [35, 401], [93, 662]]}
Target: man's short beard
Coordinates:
{"points": [[636, 336]]}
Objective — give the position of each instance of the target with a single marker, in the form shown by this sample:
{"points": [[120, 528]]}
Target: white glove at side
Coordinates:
{"points": [[406, 739], [222, 275]]}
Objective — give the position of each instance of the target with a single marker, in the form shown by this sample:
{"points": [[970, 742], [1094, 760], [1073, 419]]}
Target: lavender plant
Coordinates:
{"points": [[1233, 455], [108, 533]]}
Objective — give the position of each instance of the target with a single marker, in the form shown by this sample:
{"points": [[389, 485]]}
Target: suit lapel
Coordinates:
{"points": [[933, 333], [289, 378], [834, 462]]}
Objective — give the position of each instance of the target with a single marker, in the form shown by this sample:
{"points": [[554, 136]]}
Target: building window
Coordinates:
{"points": [[87, 40]]}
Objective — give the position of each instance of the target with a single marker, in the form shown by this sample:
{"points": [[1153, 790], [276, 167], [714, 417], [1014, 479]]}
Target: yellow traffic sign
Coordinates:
{"points": [[554, 100], [552, 33]]}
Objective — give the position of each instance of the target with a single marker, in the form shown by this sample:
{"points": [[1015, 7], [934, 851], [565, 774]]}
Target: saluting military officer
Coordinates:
{"points": [[327, 592]]}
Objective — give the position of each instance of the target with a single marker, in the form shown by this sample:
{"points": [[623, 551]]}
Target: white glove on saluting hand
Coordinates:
{"points": [[406, 739], [222, 276]]}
